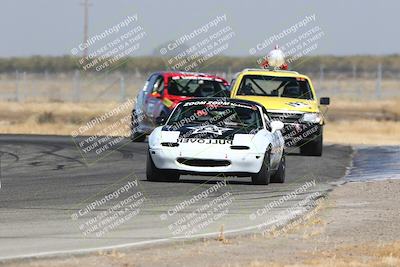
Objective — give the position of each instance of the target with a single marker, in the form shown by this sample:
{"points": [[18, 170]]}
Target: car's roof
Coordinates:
{"points": [[268, 72]]}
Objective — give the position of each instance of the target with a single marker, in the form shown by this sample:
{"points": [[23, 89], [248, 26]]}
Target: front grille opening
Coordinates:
{"points": [[240, 147], [286, 117], [204, 162], [170, 144]]}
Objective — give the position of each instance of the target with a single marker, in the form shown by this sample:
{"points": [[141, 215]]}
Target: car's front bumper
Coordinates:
{"points": [[205, 161]]}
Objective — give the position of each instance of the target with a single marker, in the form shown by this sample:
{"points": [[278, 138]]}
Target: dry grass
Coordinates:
{"points": [[363, 122], [378, 109], [368, 132], [377, 254], [52, 118], [362, 255]]}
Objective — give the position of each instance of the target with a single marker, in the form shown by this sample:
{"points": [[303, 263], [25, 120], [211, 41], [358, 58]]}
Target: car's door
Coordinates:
{"points": [[154, 103], [145, 108]]}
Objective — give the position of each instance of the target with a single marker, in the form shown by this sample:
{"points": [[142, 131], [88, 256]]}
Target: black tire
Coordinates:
{"points": [[312, 148], [279, 175], [136, 136], [263, 176], [157, 175]]}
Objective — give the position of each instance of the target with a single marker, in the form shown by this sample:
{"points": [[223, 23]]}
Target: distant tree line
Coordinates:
{"points": [[145, 64]]}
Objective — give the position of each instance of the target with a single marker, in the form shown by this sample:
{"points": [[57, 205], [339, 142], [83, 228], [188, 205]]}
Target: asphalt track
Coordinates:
{"points": [[46, 181]]}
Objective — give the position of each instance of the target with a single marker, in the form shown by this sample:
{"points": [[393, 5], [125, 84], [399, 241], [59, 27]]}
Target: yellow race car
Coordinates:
{"points": [[289, 97]]}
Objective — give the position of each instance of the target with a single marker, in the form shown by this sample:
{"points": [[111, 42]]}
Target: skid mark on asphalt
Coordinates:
{"points": [[72, 159], [8, 158]]}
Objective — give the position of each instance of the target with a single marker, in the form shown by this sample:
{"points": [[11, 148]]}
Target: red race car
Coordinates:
{"points": [[164, 90]]}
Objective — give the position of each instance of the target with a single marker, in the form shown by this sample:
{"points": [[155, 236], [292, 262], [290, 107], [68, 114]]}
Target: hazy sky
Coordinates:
{"points": [[54, 27]]}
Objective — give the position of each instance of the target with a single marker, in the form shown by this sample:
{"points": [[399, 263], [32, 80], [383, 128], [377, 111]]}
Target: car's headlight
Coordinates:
{"points": [[311, 117]]}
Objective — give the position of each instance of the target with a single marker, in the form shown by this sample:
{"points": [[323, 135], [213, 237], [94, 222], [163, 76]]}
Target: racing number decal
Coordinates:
{"points": [[297, 104]]}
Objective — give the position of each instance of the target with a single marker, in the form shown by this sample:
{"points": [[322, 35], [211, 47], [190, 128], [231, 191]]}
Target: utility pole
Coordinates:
{"points": [[86, 5]]}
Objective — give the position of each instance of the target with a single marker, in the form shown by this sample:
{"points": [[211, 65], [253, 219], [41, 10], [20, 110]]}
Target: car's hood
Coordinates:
{"points": [[283, 103], [207, 131]]}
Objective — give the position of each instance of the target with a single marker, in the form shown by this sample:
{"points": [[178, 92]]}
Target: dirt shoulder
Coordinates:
{"points": [[357, 225]]}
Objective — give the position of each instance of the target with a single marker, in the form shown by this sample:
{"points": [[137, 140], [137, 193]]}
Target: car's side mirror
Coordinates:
{"points": [[276, 125], [324, 100], [161, 120]]}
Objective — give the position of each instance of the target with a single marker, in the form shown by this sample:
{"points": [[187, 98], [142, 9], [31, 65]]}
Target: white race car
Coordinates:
{"points": [[217, 136]]}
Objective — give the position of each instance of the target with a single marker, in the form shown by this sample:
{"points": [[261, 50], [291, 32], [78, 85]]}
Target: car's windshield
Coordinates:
{"points": [[198, 87], [260, 85], [217, 113]]}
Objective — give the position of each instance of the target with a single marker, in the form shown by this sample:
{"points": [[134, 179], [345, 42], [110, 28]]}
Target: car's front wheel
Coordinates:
{"points": [[157, 175], [136, 136], [279, 175], [312, 148], [263, 176]]}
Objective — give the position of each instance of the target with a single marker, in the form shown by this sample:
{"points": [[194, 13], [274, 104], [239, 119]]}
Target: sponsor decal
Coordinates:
{"points": [[200, 78], [219, 103], [205, 141], [244, 106], [203, 102], [210, 129]]}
